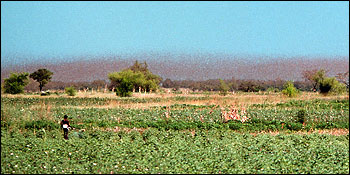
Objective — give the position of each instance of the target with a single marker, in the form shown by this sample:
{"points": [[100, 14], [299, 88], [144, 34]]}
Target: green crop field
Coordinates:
{"points": [[177, 134]]}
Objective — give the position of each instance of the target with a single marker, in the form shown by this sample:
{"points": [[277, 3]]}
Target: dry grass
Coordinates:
{"points": [[238, 99], [334, 131]]}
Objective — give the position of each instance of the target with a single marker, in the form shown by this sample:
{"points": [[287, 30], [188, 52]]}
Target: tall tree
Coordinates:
{"points": [[135, 77], [42, 76], [150, 82], [16, 82]]}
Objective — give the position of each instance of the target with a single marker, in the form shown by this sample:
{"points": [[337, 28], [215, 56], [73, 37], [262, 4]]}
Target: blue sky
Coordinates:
{"points": [[63, 29]]}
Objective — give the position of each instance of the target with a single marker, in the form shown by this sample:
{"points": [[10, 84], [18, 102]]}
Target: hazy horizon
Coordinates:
{"points": [[180, 40], [187, 67]]}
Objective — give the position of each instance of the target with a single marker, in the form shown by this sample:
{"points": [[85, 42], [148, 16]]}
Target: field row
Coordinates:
{"points": [[154, 151], [292, 115]]}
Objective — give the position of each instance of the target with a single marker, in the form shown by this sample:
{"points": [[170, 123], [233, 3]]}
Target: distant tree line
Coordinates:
{"points": [[206, 85], [235, 85], [139, 78]]}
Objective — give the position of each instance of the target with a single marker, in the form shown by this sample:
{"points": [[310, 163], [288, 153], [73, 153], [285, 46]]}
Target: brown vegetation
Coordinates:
{"points": [[187, 67]]}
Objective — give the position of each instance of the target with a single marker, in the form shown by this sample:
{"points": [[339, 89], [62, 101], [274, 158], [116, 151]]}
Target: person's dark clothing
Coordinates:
{"points": [[65, 130]]}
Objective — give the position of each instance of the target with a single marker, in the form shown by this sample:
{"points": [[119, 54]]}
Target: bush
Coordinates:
{"points": [[301, 116], [339, 89], [16, 82], [290, 90], [331, 85], [70, 91]]}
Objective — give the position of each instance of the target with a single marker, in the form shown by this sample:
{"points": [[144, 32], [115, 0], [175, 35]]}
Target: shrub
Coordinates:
{"points": [[301, 116], [290, 90], [15, 83], [339, 88], [331, 85], [70, 91]]}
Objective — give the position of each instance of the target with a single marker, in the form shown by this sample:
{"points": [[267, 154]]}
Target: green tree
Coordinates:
{"points": [[137, 67], [15, 83], [223, 87], [125, 81], [42, 76], [135, 77], [150, 82], [289, 89]]}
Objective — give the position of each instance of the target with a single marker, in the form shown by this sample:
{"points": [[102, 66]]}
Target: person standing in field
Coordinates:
{"points": [[65, 125]]}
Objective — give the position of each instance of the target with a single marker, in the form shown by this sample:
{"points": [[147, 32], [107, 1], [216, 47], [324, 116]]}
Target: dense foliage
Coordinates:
{"points": [[16, 83], [42, 76], [136, 77], [331, 85]]}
